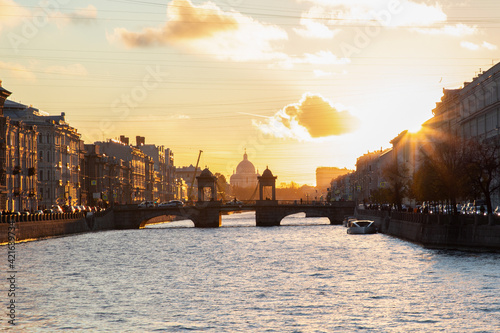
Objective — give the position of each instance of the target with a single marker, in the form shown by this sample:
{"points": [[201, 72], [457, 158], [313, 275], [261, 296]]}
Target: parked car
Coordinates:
{"points": [[234, 203], [57, 209], [171, 203], [146, 204]]}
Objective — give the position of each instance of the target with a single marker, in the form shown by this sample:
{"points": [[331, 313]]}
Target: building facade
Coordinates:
{"points": [[18, 161], [186, 180], [325, 175], [106, 178], [164, 170], [59, 155]]}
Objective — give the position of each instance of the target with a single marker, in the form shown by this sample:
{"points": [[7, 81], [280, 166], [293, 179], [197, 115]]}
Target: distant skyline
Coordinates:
{"points": [[299, 83]]}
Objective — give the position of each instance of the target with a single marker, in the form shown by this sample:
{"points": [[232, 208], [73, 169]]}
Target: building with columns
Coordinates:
{"points": [[60, 155], [18, 161]]}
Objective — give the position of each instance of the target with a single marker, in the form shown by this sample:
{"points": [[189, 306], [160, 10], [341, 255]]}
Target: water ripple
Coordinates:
{"points": [[240, 278]]}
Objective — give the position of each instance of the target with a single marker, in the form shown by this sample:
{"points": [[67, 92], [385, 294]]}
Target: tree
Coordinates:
{"points": [[380, 195], [482, 166], [222, 185], [441, 176], [398, 182], [425, 185]]}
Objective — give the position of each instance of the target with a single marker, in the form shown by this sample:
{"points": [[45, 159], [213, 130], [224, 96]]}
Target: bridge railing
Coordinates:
{"points": [[241, 203]]}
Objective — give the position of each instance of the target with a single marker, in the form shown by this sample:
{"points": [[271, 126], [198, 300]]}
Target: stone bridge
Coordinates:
{"points": [[208, 214], [270, 213]]}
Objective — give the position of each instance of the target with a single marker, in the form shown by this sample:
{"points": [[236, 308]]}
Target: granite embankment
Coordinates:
{"points": [[51, 225], [439, 231]]}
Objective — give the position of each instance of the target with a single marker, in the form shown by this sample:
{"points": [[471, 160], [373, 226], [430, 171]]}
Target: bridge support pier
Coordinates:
{"points": [[267, 213], [207, 214]]}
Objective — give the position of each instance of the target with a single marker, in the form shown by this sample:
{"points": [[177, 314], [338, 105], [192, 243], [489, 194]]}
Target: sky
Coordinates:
{"points": [[299, 84]]}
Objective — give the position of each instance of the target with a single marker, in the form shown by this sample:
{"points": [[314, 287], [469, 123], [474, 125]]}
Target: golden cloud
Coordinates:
{"points": [[207, 29], [12, 13], [185, 21], [312, 118]]}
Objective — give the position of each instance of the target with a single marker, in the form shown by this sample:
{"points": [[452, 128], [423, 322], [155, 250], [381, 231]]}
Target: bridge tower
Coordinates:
{"points": [[267, 180], [206, 180], [207, 213], [266, 214]]}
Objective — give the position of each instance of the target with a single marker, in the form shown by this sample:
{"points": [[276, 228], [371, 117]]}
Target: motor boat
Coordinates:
{"points": [[347, 220], [361, 227]]}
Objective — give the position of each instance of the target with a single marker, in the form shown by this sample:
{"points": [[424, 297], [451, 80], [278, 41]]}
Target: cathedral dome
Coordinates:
{"points": [[245, 175], [245, 166]]}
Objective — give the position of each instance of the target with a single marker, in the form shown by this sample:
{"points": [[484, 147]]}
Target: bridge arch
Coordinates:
{"points": [[287, 220], [205, 215], [157, 220]]}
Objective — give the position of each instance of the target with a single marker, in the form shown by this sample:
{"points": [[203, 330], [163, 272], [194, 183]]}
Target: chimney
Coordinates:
{"points": [[140, 141], [124, 139], [4, 93]]}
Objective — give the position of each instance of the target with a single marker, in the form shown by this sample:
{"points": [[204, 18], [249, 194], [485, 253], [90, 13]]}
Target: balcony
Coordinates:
{"points": [[31, 171], [16, 170]]}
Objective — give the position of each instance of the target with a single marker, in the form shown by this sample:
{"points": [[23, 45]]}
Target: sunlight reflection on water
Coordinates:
{"points": [[303, 277]]}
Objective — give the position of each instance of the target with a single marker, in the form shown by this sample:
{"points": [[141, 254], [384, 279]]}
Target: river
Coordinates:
{"points": [[304, 276]]}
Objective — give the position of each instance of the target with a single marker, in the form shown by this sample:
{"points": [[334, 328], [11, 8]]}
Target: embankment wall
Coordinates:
{"points": [[55, 225], [457, 232]]}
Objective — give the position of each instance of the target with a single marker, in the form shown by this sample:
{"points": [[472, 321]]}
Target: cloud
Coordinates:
{"points": [[489, 46], [474, 47], [12, 14], [313, 26], [313, 117], [86, 15], [469, 45], [75, 69], [208, 29], [318, 58], [320, 73], [456, 30], [386, 13], [18, 71], [418, 16], [185, 22]]}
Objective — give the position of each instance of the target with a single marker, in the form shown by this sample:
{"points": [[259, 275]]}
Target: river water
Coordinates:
{"points": [[304, 276]]}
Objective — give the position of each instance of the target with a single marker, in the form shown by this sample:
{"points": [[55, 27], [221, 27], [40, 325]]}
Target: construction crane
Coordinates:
{"points": [[190, 190]]}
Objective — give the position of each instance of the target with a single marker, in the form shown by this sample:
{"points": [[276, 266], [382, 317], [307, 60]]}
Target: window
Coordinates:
{"points": [[491, 123], [41, 176], [473, 128], [40, 138], [481, 126], [48, 155]]}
